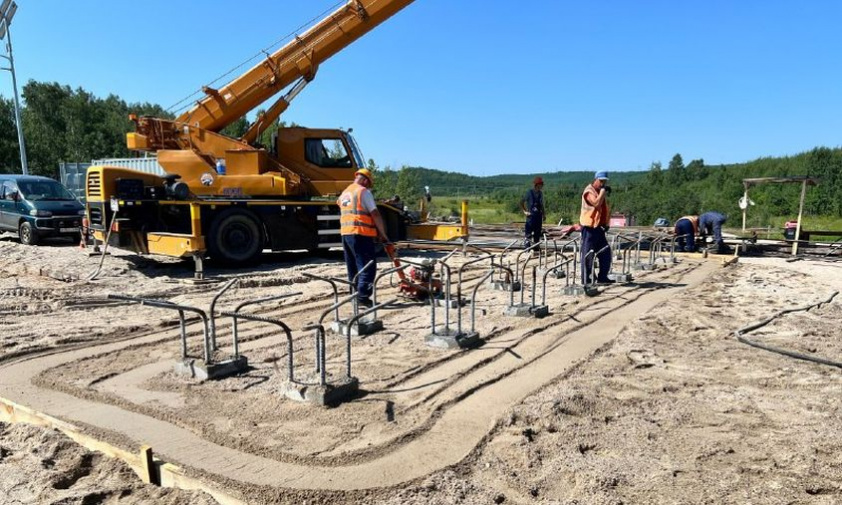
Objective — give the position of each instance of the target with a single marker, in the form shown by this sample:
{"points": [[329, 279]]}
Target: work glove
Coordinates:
{"points": [[605, 228], [607, 190]]}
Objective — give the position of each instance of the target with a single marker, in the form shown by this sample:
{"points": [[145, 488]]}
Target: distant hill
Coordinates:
{"points": [[671, 191]]}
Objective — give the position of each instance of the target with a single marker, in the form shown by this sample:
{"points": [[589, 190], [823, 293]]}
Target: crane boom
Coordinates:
{"points": [[299, 58]]}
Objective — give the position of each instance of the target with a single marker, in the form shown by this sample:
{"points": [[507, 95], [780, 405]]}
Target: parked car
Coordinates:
{"points": [[38, 207]]}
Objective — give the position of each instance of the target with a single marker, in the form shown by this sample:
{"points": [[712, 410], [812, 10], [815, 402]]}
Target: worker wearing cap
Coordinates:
{"points": [[710, 223], [532, 205], [686, 229], [361, 224], [594, 220]]}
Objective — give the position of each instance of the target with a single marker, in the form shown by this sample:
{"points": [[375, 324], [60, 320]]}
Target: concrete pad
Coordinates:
{"points": [[519, 310], [453, 340], [620, 277], [504, 286], [541, 311], [197, 369], [361, 327], [454, 303], [314, 393]]}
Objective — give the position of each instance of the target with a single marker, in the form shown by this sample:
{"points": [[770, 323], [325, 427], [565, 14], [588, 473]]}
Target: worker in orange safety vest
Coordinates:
{"points": [[361, 224], [686, 229], [594, 219]]}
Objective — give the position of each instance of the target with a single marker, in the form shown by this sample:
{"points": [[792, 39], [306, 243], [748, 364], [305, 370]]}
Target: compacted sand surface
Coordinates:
{"points": [[663, 405]]}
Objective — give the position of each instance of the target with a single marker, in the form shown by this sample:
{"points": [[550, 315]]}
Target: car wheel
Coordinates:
{"points": [[27, 234], [235, 237]]}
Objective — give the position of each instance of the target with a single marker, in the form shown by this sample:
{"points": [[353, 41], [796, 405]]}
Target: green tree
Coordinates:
{"points": [[409, 186], [675, 170]]}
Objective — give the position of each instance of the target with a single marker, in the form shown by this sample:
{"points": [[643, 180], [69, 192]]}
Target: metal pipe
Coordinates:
{"points": [[348, 331], [474, 299], [276, 322], [161, 304], [517, 258], [332, 283], [511, 286], [544, 280], [505, 251], [380, 276], [459, 288], [239, 307], [225, 288], [522, 275]]}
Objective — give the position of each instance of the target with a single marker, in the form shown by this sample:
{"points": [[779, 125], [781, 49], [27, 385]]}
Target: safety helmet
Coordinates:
{"points": [[538, 180], [601, 175], [365, 173]]}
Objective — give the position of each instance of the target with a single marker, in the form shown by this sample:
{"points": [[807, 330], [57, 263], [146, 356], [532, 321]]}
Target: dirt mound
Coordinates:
{"points": [[44, 466]]}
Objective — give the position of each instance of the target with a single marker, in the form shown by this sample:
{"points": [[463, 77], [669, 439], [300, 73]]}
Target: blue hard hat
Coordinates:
{"points": [[602, 174]]}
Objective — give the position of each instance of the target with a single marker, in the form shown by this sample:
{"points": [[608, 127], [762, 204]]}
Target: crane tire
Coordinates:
{"points": [[235, 237]]}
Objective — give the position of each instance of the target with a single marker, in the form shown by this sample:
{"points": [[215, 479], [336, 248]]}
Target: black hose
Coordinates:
{"points": [[792, 354]]}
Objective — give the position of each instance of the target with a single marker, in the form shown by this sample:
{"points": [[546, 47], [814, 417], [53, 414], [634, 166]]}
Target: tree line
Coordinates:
{"points": [[62, 124]]}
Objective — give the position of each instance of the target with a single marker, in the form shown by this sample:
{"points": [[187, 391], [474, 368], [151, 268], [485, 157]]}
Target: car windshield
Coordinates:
{"points": [[44, 190]]}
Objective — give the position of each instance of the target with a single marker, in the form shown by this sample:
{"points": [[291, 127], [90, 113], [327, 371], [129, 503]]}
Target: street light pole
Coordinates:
{"points": [[5, 20]]}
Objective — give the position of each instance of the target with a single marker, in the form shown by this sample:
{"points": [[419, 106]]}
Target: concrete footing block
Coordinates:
{"points": [[505, 286], [310, 391], [454, 303], [452, 340], [361, 327], [620, 277], [519, 310], [197, 369], [541, 311], [645, 266], [555, 274]]}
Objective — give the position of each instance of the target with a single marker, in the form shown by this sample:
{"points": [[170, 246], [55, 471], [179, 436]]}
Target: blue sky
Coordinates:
{"points": [[487, 86]]}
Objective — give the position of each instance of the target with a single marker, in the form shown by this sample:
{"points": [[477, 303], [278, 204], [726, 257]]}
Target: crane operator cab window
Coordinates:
{"points": [[327, 153]]}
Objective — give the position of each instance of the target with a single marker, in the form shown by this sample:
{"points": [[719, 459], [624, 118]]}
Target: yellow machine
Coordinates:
{"points": [[231, 197]]}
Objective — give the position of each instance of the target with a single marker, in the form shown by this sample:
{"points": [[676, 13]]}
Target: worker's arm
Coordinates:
{"points": [[523, 206], [596, 202], [381, 226]]}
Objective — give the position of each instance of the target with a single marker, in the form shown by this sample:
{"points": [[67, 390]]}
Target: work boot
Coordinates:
{"points": [[365, 303]]}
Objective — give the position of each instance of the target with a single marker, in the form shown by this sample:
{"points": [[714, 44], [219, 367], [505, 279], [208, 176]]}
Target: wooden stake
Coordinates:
{"points": [[800, 212]]}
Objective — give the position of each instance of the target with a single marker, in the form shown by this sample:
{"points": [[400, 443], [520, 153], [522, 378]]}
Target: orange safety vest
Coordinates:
{"points": [[354, 219], [694, 220], [593, 216]]}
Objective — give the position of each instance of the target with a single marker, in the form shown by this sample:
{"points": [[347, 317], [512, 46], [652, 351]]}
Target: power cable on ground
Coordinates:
{"points": [[792, 354]]}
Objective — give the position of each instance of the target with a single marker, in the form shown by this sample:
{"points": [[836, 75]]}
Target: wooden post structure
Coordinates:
{"points": [[745, 209], [800, 213]]}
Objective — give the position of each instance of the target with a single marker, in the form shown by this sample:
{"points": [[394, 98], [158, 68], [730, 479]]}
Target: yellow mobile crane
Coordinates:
{"points": [[231, 197]]}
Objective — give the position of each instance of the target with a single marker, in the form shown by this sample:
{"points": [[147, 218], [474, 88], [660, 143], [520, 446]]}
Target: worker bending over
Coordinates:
{"points": [[594, 219], [361, 223], [686, 229], [711, 223]]}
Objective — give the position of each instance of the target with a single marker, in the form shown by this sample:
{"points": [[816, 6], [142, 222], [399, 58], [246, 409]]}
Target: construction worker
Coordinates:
{"points": [[686, 229], [594, 219], [361, 223], [532, 205], [710, 223]]}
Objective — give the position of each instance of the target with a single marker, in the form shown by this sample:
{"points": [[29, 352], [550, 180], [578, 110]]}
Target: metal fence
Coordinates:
{"points": [[73, 174]]}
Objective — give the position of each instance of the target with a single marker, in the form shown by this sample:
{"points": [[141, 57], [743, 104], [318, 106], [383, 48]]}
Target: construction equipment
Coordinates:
{"points": [[234, 197], [419, 283]]}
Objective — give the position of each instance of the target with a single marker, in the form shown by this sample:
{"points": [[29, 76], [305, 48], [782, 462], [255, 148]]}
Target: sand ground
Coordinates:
{"points": [[670, 409]]}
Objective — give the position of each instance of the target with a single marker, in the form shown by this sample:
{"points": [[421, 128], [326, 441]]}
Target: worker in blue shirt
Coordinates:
{"points": [[532, 206], [711, 223]]}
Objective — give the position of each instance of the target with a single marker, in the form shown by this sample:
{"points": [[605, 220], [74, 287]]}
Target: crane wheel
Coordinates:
{"points": [[235, 237]]}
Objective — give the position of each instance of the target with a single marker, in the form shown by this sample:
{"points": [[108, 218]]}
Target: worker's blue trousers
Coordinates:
{"points": [[685, 235], [359, 251], [593, 240]]}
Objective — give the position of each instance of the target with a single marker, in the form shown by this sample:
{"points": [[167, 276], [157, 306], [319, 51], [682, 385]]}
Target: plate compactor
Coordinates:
{"points": [[417, 282]]}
